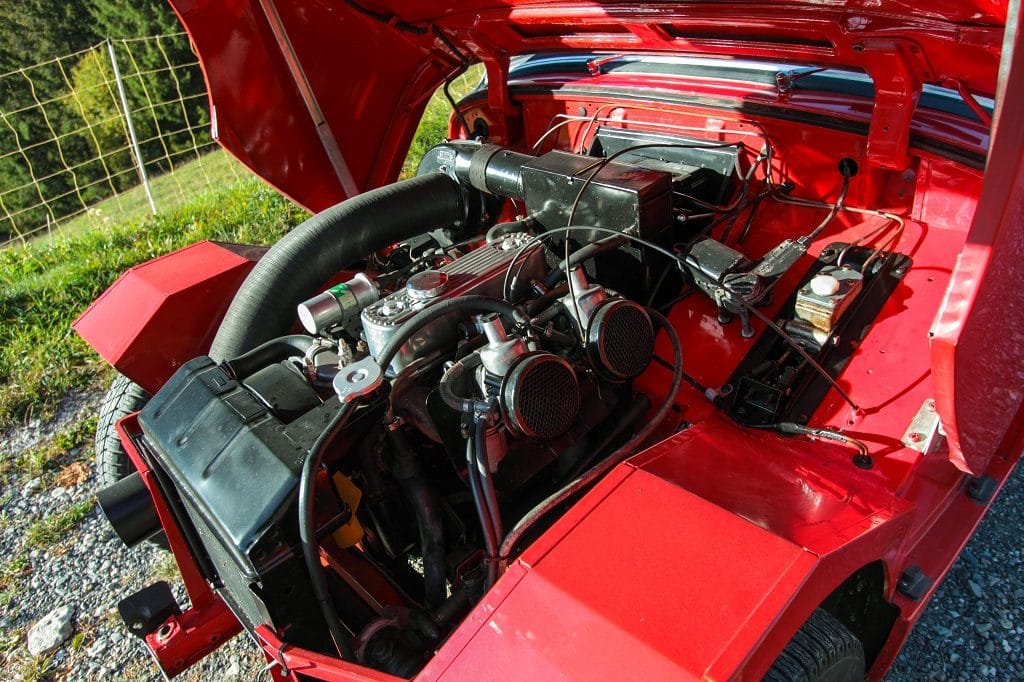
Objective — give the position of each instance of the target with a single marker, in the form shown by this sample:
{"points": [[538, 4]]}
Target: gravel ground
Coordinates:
{"points": [[973, 629], [90, 570]]}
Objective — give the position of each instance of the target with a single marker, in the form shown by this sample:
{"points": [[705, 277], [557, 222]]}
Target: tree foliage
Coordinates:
{"points": [[63, 140]]}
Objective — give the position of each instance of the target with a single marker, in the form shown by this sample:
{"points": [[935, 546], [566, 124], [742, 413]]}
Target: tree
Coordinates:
{"points": [[63, 144]]}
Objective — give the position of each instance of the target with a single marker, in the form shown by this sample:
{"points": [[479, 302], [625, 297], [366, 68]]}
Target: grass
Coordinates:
{"points": [[47, 283], [189, 179], [52, 529], [10, 571], [433, 126]]}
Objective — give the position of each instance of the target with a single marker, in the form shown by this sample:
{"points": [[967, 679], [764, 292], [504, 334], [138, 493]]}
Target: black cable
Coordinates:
{"points": [[490, 538], [537, 239], [463, 67], [696, 385], [595, 169], [471, 303], [580, 255], [836, 207], [307, 531], [735, 203], [490, 495]]}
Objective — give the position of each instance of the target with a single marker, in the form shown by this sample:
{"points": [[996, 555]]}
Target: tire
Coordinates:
{"points": [[112, 462], [824, 650], [123, 398]]}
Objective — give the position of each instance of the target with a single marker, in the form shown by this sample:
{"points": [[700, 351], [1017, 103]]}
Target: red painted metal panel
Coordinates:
{"points": [[166, 311], [653, 580], [259, 114], [371, 113], [978, 337], [184, 639]]}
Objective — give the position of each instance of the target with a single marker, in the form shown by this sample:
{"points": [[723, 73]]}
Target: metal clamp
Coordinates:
{"points": [[358, 379]]}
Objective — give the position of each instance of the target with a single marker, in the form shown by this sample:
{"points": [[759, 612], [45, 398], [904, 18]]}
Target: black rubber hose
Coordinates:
{"points": [[453, 375], [501, 230], [425, 504], [275, 350], [303, 260], [491, 538], [307, 531], [486, 481], [580, 255], [466, 304]]}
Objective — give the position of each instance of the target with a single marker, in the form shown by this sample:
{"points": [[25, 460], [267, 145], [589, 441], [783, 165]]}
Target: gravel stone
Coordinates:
{"points": [[47, 634]]}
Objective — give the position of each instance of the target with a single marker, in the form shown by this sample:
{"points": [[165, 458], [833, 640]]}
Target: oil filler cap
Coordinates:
{"points": [[426, 285]]}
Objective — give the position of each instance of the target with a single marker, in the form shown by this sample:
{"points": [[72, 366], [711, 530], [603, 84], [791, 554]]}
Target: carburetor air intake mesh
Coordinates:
{"points": [[540, 396], [620, 339]]}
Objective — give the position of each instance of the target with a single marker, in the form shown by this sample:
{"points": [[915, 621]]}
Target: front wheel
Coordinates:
{"points": [[125, 397], [822, 650]]}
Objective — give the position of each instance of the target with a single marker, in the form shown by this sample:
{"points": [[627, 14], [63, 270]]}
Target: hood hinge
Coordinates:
{"points": [[897, 72]]}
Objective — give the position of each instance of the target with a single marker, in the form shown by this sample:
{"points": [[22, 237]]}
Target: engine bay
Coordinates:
{"points": [[359, 486]]}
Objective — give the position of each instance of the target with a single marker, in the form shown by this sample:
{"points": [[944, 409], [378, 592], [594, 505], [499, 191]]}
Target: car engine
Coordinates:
{"points": [[467, 373]]}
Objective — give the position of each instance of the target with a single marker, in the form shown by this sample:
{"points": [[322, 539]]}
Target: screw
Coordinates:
{"points": [[915, 437]]}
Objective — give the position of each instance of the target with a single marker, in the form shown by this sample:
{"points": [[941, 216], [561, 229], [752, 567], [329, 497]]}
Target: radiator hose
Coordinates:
{"points": [[298, 265]]}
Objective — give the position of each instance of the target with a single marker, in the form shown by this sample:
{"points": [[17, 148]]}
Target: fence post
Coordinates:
{"points": [[131, 128]]}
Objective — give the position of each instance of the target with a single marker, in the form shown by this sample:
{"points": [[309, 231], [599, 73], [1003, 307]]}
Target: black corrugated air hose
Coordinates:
{"points": [[298, 265]]}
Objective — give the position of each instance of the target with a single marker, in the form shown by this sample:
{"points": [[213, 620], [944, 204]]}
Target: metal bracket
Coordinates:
{"points": [[323, 129], [925, 431], [358, 379], [898, 77]]}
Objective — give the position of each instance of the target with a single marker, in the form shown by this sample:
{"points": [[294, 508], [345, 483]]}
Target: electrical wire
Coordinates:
{"points": [[744, 189], [832, 213], [799, 349], [594, 170], [536, 240], [463, 67], [892, 218]]}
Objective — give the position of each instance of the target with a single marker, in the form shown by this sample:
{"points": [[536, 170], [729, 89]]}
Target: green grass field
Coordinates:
{"points": [[189, 180], [47, 283]]}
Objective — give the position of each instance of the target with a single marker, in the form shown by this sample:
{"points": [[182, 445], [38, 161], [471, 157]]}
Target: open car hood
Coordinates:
{"points": [[321, 97]]}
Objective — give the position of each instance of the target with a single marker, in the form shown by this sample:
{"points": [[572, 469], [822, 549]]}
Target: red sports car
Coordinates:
{"points": [[691, 353]]}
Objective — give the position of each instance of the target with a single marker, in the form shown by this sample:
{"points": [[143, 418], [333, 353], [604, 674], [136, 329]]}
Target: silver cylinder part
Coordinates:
{"points": [[583, 298], [339, 306], [501, 351]]}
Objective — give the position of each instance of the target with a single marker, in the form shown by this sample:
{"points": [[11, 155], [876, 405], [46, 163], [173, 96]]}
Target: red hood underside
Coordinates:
{"points": [[321, 97]]}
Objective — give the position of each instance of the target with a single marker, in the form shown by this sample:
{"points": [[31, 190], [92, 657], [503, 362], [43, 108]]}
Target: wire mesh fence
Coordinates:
{"points": [[87, 134]]}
